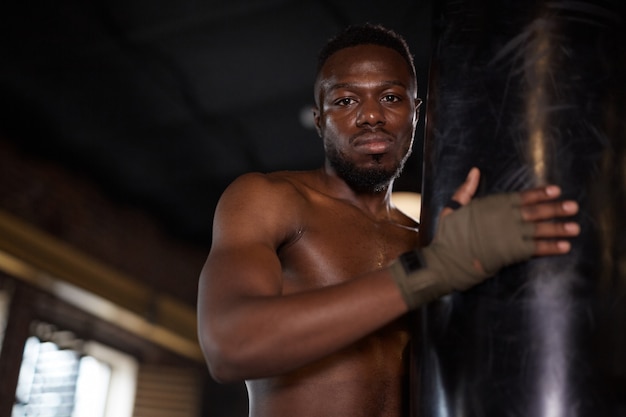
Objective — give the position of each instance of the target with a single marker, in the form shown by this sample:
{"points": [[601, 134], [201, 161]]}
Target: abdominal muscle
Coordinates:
{"points": [[364, 380]]}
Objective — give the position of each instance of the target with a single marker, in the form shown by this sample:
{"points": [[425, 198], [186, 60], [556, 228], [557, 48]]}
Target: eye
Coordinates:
{"points": [[390, 98], [345, 101]]}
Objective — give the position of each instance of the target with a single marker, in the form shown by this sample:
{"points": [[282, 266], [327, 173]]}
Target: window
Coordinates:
{"points": [[63, 376]]}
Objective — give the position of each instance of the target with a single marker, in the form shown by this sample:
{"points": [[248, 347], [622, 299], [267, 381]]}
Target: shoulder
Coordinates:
{"points": [[266, 189], [270, 205]]}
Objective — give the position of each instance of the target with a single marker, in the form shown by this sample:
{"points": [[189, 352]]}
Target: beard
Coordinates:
{"points": [[365, 180]]}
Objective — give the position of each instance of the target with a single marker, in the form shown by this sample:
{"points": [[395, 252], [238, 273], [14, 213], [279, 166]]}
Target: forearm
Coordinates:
{"points": [[264, 336]]}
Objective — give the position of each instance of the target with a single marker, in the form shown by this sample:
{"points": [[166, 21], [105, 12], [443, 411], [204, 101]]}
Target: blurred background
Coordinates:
{"points": [[122, 123]]}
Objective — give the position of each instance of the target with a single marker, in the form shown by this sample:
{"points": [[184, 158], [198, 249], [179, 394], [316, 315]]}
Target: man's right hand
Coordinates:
{"points": [[475, 241]]}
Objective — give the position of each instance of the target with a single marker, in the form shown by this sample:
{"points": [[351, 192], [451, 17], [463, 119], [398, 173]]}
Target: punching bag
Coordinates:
{"points": [[531, 92]]}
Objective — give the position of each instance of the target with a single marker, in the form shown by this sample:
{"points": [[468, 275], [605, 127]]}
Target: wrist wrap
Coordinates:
{"points": [[471, 244]]}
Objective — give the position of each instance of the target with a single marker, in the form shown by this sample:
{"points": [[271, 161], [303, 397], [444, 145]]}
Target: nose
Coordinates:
{"points": [[370, 113]]}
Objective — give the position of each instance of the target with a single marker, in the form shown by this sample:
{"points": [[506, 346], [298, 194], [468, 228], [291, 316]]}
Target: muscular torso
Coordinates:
{"points": [[337, 241]]}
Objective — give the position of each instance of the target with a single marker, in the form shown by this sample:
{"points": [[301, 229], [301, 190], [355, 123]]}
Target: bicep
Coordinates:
{"points": [[249, 225], [231, 274]]}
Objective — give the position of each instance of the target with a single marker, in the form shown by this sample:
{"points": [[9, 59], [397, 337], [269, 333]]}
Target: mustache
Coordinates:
{"points": [[375, 131]]}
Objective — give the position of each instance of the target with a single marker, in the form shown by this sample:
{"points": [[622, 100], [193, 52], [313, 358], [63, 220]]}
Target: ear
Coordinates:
{"points": [[418, 106], [316, 120]]}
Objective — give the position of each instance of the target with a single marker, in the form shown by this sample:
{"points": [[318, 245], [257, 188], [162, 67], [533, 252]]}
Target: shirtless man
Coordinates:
{"points": [[303, 295]]}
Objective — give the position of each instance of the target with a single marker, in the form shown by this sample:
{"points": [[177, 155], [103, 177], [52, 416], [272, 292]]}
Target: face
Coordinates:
{"points": [[366, 114]]}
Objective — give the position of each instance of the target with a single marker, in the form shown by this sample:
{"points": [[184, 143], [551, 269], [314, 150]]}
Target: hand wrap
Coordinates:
{"points": [[471, 244]]}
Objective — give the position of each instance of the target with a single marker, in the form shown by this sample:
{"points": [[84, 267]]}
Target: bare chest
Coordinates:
{"points": [[336, 245]]}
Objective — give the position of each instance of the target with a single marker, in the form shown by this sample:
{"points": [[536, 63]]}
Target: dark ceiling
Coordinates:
{"points": [[163, 103]]}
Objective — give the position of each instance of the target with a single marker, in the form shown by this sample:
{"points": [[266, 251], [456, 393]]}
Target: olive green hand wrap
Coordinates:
{"points": [[471, 244]]}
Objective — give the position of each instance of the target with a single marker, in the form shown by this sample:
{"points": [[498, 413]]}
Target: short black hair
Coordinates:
{"points": [[366, 34]]}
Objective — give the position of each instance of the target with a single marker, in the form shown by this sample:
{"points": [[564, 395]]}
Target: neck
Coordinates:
{"points": [[375, 202]]}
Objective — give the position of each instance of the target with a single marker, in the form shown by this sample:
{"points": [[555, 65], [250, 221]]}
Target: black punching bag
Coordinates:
{"points": [[531, 92]]}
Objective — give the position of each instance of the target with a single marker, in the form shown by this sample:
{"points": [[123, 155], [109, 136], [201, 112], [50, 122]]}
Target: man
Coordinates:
{"points": [[303, 295]]}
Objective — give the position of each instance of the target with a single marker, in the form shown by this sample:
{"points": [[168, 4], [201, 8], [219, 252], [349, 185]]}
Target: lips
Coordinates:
{"points": [[373, 142]]}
